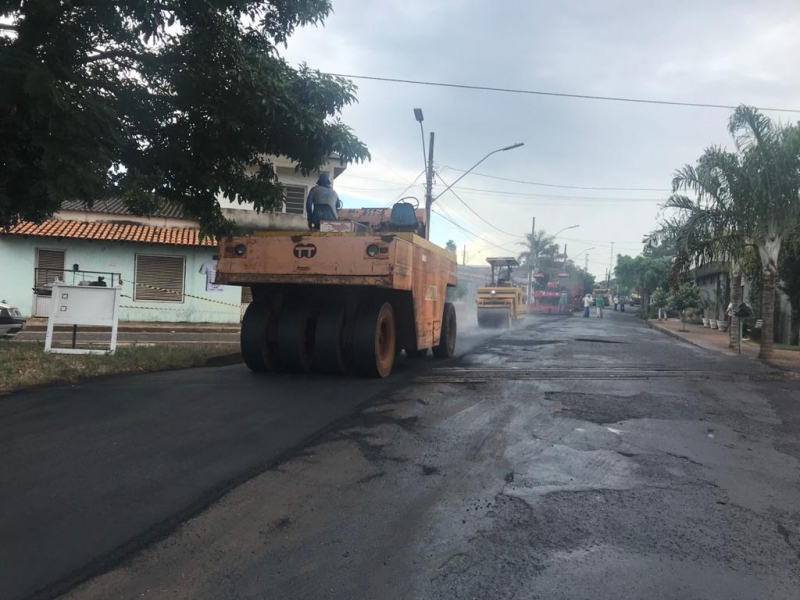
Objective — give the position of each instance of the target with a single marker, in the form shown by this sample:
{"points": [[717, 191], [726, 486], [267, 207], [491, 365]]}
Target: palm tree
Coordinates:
{"points": [[536, 246], [747, 198]]}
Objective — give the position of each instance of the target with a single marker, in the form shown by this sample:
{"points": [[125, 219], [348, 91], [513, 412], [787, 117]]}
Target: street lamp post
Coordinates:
{"points": [[468, 171], [428, 172], [581, 252], [430, 200]]}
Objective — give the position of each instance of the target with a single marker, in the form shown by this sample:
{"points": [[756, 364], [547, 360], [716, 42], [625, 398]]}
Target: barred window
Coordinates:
{"points": [[295, 199], [159, 278]]}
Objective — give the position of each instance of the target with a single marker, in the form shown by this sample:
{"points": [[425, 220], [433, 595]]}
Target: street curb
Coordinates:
{"points": [[678, 337], [720, 350]]}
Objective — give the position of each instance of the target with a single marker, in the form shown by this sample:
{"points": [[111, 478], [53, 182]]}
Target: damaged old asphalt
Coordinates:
{"points": [[568, 458]]}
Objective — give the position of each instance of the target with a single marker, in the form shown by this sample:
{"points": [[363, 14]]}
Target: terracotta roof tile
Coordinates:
{"points": [[174, 236]]}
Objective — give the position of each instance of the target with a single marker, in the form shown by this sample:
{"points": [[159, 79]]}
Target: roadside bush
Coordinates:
{"points": [[645, 315], [684, 299]]}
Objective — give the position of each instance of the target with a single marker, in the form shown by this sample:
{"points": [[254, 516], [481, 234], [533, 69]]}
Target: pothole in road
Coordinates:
{"points": [[607, 408], [524, 343], [599, 341]]}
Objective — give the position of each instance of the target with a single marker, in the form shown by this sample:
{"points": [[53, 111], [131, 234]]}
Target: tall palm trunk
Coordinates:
{"points": [[736, 300], [768, 316]]}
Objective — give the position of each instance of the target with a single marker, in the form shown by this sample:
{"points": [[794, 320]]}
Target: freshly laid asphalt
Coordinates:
{"points": [[91, 472], [569, 458]]}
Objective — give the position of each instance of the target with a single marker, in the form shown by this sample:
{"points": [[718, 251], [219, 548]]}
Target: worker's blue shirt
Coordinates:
{"points": [[319, 195]]}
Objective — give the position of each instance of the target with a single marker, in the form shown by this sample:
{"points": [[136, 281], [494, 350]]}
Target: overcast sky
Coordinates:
{"points": [[721, 52]]}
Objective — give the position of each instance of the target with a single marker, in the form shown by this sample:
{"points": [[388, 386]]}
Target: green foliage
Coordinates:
{"points": [[658, 299], [539, 248], [550, 264], [451, 246], [684, 297], [152, 101], [643, 273]]}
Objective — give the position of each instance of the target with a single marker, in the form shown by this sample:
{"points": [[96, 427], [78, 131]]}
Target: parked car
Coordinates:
{"points": [[11, 321]]}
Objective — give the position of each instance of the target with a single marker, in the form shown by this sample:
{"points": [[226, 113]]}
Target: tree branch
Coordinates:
{"points": [[110, 54]]}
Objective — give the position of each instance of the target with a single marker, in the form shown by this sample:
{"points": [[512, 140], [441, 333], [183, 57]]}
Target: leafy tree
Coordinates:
{"points": [[685, 297], [658, 299], [451, 246], [169, 100], [643, 274], [747, 198]]}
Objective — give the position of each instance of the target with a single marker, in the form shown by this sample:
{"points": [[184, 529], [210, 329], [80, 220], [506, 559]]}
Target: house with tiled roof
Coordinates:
{"points": [[164, 266]]}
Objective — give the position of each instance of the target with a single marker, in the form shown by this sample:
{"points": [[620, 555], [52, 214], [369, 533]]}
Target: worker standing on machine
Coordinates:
{"points": [[322, 203]]}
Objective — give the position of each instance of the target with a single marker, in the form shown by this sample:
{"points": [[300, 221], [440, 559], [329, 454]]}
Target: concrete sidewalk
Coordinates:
{"points": [[712, 339]]}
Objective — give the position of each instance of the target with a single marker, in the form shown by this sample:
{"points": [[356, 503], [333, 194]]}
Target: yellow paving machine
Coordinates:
{"points": [[502, 303]]}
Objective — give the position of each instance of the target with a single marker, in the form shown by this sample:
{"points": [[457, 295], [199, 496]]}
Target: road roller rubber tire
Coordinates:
{"points": [[374, 339], [329, 354], [296, 338], [447, 338], [257, 353]]}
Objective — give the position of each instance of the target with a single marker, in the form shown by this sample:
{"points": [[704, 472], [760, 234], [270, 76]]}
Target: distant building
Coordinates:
{"points": [[714, 282]]}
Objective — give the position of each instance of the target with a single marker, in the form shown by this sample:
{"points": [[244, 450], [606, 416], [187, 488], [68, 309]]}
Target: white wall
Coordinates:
{"points": [[287, 175], [18, 259]]}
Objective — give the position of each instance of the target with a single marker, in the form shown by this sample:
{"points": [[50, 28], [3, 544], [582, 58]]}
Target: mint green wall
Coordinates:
{"points": [[18, 259]]}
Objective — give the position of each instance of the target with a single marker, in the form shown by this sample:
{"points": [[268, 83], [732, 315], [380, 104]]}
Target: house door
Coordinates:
{"points": [[49, 267]]}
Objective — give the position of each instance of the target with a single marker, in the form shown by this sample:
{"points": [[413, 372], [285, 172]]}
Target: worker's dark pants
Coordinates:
{"points": [[322, 212], [585, 312]]}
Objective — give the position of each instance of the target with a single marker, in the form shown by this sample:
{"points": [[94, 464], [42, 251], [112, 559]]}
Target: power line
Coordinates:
{"points": [[569, 187], [553, 185], [474, 235], [410, 185], [558, 197], [487, 88], [452, 191]]}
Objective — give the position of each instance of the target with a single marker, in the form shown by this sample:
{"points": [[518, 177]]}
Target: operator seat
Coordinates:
{"points": [[403, 217]]}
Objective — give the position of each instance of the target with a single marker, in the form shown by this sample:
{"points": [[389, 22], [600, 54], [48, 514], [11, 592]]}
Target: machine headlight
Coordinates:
{"points": [[494, 291], [372, 250], [240, 249]]}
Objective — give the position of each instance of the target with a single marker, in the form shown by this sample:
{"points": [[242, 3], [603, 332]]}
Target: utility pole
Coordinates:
{"points": [[586, 263], [610, 265], [429, 189], [464, 255], [530, 258]]}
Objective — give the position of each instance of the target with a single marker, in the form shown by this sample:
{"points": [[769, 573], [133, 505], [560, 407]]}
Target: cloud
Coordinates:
{"points": [[717, 51]]}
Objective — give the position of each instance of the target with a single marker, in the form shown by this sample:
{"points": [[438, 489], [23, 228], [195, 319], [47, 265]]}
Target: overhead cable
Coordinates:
{"points": [[486, 88]]}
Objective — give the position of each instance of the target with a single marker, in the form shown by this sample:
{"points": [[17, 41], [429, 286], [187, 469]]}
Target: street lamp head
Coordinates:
{"points": [[512, 146], [418, 115]]}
